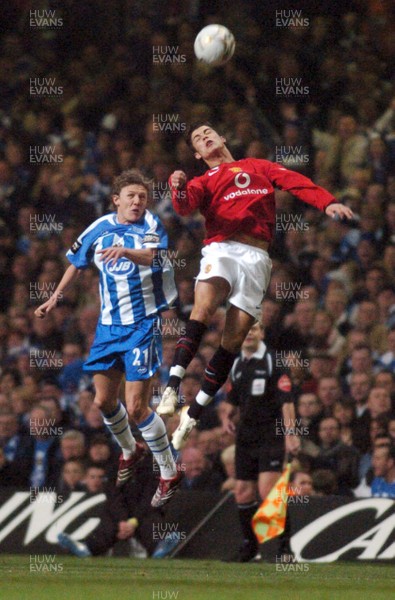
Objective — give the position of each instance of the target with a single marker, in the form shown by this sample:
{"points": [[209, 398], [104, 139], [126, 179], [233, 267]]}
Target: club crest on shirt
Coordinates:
{"points": [[235, 169], [208, 268]]}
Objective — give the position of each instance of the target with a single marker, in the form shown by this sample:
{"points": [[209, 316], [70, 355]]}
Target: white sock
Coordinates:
{"points": [[203, 399], [118, 423], [154, 433]]}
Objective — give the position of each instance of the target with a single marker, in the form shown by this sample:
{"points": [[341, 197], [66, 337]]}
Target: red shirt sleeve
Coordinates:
{"points": [[189, 198], [298, 185]]}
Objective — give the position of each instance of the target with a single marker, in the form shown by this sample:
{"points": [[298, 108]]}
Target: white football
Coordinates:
{"points": [[214, 45]]}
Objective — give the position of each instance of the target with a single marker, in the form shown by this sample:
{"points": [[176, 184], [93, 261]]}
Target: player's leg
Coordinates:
{"points": [[151, 426], [114, 413], [266, 481], [246, 498], [209, 295], [247, 505], [154, 433], [237, 325]]}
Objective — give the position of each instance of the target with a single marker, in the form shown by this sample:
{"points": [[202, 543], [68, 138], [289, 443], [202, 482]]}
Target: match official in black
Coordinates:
{"points": [[262, 401]]}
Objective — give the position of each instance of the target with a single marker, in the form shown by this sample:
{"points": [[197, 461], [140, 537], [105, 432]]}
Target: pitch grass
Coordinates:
{"points": [[127, 579]]}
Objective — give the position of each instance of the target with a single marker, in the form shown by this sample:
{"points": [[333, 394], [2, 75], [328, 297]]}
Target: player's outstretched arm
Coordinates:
{"points": [[141, 256], [306, 190], [69, 276]]}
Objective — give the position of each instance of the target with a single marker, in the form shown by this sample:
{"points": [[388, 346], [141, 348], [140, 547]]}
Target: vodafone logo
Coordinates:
{"points": [[242, 180]]}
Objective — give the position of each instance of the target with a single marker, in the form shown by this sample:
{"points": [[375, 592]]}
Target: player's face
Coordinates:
{"points": [[131, 203], [206, 142]]}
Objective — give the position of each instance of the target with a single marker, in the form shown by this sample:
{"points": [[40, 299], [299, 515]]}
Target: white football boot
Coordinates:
{"points": [[182, 432], [168, 404]]}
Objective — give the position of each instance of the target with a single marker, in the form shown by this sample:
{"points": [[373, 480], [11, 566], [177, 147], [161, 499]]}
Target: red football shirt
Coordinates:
{"points": [[238, 197]]}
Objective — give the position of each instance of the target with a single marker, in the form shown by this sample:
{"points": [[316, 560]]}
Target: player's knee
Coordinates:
{"points": [[203, 313]]}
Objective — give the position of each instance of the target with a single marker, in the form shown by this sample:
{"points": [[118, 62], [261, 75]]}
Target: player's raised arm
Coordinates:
{"points": [[69, 276], [306, 190], [140, 256], [186, 196]]}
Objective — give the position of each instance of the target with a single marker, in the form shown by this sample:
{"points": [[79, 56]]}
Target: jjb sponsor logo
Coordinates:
{"points": [[242, 181], [120, 267]]}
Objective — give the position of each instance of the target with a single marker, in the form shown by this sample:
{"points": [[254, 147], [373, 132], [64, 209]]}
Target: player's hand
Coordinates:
{"points": [[45, 308], [113, 253], [292, 444], [178, 179], [339, 211], [125, 530], [228, 426]]}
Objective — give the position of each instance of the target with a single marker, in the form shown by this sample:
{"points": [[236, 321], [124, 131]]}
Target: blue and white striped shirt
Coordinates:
{"points": [[128, 292]]}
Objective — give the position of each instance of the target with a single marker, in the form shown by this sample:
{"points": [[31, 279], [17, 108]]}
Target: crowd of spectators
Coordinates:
{"points": [[80, 103]]}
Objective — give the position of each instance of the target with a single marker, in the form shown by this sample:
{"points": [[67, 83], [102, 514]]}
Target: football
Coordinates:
{"points": [[214, 45]]}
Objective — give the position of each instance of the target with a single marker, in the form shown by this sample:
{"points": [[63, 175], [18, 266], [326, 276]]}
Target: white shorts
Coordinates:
{"points": [[246, 268]]}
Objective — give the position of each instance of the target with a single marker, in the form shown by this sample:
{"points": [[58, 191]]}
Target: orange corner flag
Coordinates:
{"points": [[269, 520]]}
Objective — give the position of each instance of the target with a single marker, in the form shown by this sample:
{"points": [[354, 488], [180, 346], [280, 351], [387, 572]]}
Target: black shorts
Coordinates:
{"points": [[252, 460]]}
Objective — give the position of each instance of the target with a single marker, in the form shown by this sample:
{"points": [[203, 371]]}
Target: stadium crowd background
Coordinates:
{"points": [[90, 97]]}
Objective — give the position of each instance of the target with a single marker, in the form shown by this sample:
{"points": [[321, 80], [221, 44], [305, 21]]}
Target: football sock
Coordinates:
{"points": [[285, 537], [215, 376], [154, 433], [118, 423], [217, 371], [186, 349], [246, 512]]}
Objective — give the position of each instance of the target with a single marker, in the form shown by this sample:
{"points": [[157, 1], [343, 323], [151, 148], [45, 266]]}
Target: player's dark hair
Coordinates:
{"points": [[129, 177], [191, 128]]}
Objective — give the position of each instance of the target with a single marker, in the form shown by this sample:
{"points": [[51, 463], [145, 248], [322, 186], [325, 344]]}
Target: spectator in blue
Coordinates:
{"points": [[383, 461]]}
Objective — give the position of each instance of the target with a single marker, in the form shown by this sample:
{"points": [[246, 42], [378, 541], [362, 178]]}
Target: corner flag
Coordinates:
{"points": [[269, 520]]}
